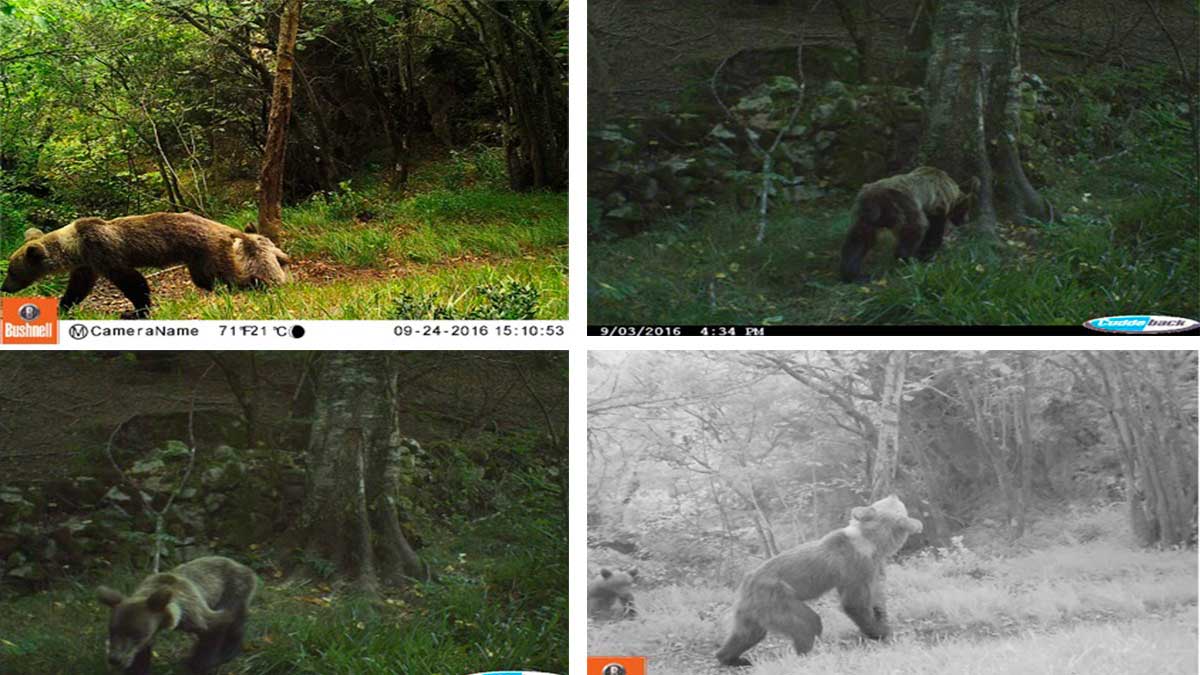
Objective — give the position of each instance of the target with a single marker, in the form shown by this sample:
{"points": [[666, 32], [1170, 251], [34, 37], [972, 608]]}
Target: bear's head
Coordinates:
{"points": [[619, 583], [27, 264], [133, 623], [885, 524]]}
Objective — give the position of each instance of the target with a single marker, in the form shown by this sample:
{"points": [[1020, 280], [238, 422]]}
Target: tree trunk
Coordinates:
{"points": [[270, 178], [973, 124], [528, 80], [355, 458], [887, 445], [1162, 508], [1024, 440]]}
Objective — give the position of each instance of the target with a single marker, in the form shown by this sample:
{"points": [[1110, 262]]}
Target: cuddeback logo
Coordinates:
{"points": [[29, 321], [1141, 323]]}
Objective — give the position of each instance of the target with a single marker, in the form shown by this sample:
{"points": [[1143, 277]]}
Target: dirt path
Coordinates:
{"points": [[174, 282]]}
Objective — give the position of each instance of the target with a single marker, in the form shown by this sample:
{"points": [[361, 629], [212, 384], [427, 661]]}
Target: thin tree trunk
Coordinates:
{"points": [[1024, 436], [887, 445], [270, 178]]}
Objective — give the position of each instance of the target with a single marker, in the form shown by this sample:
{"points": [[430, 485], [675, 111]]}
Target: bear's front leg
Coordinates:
{"points": [[857, 603], [78, 287], [206, 654], [141, 663]]}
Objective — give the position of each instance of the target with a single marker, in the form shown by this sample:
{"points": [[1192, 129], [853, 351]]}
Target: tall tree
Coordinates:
{"points": [[355, 457], [524, 48], [887, 421], [973, 123], [270, 178], [1157, 439]]}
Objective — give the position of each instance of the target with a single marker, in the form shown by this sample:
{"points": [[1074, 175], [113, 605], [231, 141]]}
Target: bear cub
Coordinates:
{"points": [[208, 597], [608, 589]]}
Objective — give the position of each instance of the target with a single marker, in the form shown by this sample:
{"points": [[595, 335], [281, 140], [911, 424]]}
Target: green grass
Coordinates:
{"points": [[460, 286], [1100, 607], [461, 624], [500, 602], [707, 269]]}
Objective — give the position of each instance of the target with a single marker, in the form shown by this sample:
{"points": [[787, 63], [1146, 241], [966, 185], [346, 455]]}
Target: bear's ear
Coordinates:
{"points": [[109, 596], [159, 600], [35, 253], [862, 513], [33, 233], [605, 572], [633, 571]]}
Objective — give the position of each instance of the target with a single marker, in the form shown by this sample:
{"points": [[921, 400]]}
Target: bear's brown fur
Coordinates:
{"points": [[850, 559], [915, 205], [115, 249], [209, 597], [609, 588]]}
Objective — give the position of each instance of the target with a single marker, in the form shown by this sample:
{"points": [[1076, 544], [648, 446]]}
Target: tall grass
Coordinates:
{"points": [[708, 270], [1099, 606]]}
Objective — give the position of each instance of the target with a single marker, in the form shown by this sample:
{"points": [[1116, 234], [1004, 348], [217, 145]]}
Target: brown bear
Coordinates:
{"points": [[115, 249], [773, 596], [915, 206], [209, 597], [610, 587]]}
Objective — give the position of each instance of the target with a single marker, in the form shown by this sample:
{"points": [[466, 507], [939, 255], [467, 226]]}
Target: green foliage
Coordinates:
{"points": [[508, 300], [477, 165], [647, 169]]}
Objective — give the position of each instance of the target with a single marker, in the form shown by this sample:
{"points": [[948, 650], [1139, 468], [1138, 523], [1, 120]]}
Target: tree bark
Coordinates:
{"points": [[270, 178], [973, 124], [529, 82], [1161, 471], [887, 445], [355, 457]]}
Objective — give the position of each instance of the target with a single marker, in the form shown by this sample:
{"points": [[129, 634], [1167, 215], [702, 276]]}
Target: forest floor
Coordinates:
{"points": [[1095, 608], [453, 244], [706, 269], [500, 602]]}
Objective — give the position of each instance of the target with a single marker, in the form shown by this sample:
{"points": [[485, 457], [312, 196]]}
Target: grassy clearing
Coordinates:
{"points": [[461, 625], [707, 269], [445, 240], [500, 602], [459, 287], [1099, 607]]}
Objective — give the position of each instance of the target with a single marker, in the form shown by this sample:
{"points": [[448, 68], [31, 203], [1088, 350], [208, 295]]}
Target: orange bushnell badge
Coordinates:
{"points": [[616, 665], [29, 321]]}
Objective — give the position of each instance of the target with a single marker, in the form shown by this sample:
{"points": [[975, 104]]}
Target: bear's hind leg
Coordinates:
{"points": [[800, 623], [134, 286], [78, 287], [858, 242], [746, 633]]}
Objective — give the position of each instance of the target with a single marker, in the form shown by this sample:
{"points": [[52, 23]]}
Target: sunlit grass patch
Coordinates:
{"points": [[371, 298]]}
